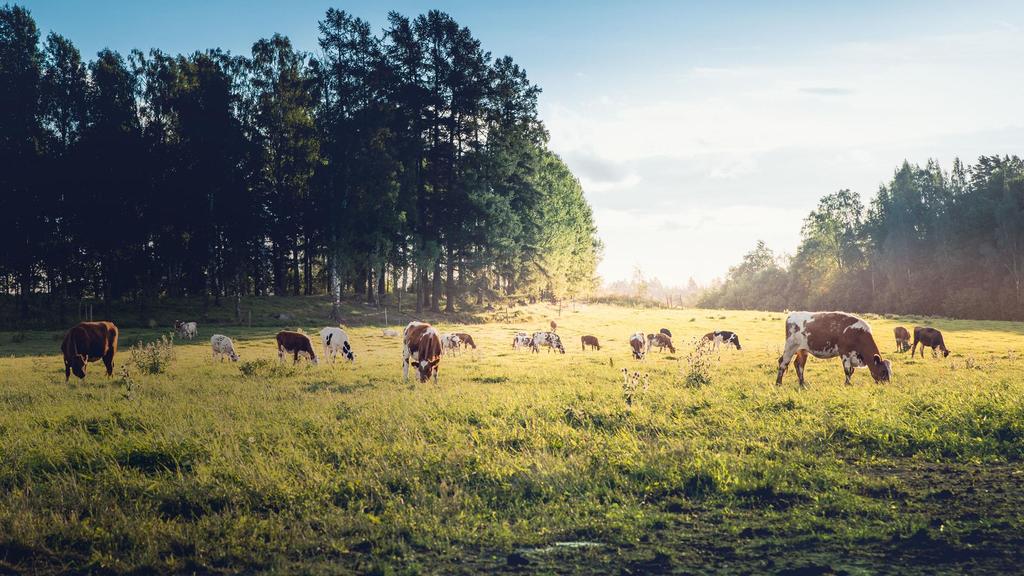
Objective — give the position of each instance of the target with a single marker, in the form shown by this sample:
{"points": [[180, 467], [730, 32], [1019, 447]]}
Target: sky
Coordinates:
{"points": [[696, 128]]}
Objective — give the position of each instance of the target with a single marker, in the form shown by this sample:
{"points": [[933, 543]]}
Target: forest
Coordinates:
{"points": [[930, 242], [405, 161]]}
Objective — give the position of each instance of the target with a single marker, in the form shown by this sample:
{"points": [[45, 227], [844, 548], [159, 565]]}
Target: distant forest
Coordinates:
{"points": [[408, 160], [930, 242]]}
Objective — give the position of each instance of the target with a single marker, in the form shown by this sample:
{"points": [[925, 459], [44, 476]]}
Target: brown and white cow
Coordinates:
{"points": [[666, 332], [902, 338], [422, 345], [827, 335], [88, 342], [928, 337], [660, 341], [295, 343], [638, 343], [590, 341], [466, 340], [720, 337]]}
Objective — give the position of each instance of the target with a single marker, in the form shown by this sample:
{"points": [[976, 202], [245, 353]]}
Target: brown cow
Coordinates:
{"points": [[423, 346], [554, 326], [590, 341], [831, 334], [902, 338], [466, 340], [661, 341], [929, 337], [295, 343], [89, 342]]}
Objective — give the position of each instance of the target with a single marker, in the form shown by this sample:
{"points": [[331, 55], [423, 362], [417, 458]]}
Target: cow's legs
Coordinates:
{"points": [[405, 363], [295, 357], [67, 371], [784, 360], [799, 362], [848, 369], [280, 354], [913, 349], [108, 361]]}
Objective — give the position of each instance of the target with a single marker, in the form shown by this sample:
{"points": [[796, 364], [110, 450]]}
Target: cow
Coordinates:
{"points": [[660, 341], [638, 342], [666, 332], [549, 339], [466, 340], [422, 345], [902, 338], [88, 342], [389, 333], [222, 347], [335, 340], [186, 329], [554, 326], [590, 341], [719, 337], [827, 335], [451, 342], [522, 340], [295, 343], [930, 337]]}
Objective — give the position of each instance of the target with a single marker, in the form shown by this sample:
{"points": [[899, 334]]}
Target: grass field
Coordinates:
{"points": [[517, 462]]}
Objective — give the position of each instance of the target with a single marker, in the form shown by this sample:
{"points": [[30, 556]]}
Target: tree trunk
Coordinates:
{"points": [[449, 305], [435, 295]]}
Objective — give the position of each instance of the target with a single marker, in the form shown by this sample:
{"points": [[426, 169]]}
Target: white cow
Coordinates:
{"points": [[549, 339], [638, 343], [335, 340], [522, 340], [223, 346], [451, 342], [186, 329]]}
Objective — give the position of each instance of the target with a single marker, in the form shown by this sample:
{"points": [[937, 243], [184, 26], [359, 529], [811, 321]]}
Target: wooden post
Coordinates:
{"points": [[385, 316], [250, 318]]}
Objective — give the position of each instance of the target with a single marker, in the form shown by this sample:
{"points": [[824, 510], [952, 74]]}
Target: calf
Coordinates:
{"points": [[88, 342], [466, 340], [666, 332], [554, 326], [522, 340], [639, 345], [590, 341], [422, 345], [186, 329], [902, 338], [335, 340], [661, 341], [827, 335], [929, 337], [549, 339], [720, 337], [295, 343], [223, 347]]}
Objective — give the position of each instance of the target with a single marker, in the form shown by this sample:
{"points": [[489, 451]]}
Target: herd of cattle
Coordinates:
{"points": [[819, 334]]}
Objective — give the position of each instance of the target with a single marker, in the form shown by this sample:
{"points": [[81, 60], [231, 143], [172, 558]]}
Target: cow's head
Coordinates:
{"points": [[881, 370], [427, 368], [736, 341], [347, 351], [558, 343], [945, 351], [233, 356], [78, 362]]}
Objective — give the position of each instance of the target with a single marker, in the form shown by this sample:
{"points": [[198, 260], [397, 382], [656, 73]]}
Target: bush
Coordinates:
{"points": [[154, 357], [698, 362]]}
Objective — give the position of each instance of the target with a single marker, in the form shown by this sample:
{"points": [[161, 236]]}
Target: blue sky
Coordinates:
{"points": [[696, 128]]}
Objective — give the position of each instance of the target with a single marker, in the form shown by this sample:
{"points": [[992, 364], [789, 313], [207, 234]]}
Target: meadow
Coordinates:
{"points": [[517, 462]]}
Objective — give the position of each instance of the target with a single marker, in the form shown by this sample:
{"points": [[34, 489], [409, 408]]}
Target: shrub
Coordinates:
{"points": [[154, 357], [698, 363]]}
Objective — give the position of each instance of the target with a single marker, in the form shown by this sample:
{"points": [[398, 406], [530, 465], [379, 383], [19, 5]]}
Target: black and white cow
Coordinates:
{"points": [[549, 339], [335, 340]]}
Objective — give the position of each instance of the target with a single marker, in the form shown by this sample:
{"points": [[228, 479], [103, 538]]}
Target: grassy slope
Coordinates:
{"points": [[514, 455]]}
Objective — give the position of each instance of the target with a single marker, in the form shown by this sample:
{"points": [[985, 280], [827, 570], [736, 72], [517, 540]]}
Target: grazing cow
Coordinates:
{"points": [[660, 341], [88, 342], [554, 326], [720, 337], [451, 342], [223, 347], [666, 332], [422, 346], [522, 340], [929, 337], [295, 343], [827, 335], [549, 339], [186, 329], [335, 340], [590, 341], [638, 342], [466, 340], [902, 338]]}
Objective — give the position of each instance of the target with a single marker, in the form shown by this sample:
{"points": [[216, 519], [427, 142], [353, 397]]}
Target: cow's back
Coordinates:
{"points": [[93, 339]]}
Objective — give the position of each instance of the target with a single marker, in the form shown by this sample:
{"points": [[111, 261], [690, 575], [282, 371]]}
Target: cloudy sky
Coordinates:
{"points": [[696, 128]]}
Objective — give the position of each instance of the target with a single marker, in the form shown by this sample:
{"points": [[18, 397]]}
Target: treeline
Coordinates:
{"points": [[405, 161], [930, 242]]}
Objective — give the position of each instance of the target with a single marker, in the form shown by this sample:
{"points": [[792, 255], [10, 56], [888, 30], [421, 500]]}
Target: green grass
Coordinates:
{"points": [[517, 461]]}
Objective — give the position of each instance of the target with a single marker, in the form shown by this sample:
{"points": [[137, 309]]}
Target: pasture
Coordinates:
{"points": [[515, 461]]}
